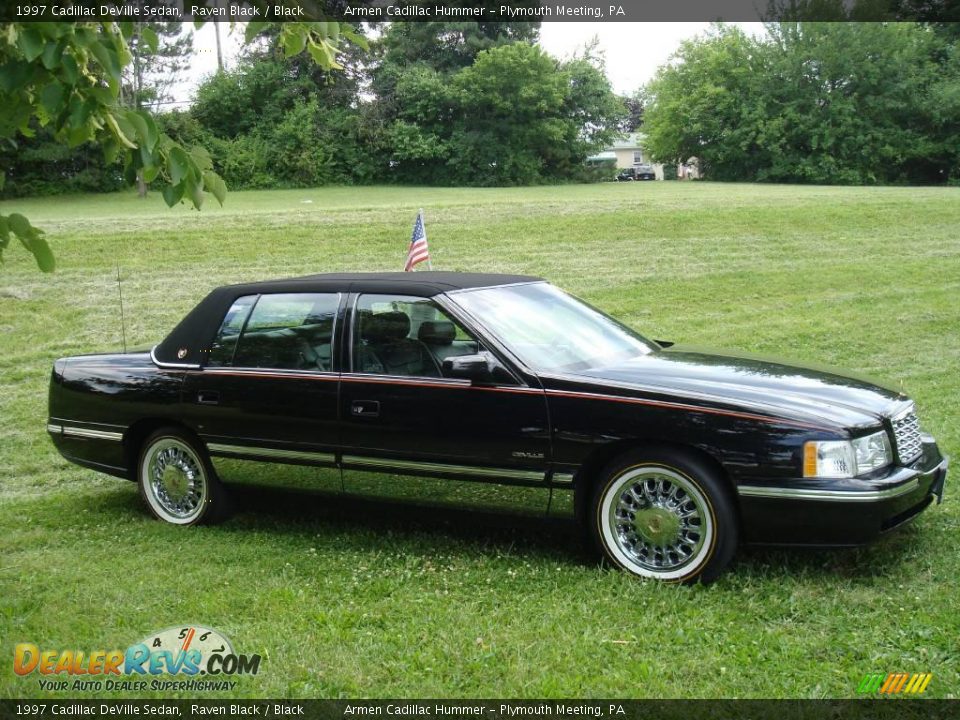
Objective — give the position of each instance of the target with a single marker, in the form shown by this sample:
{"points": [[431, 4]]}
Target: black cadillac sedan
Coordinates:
{"points": [[496, 391]]}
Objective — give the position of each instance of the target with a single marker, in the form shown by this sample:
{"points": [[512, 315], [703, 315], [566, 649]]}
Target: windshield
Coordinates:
{"points": [[549, 330]]}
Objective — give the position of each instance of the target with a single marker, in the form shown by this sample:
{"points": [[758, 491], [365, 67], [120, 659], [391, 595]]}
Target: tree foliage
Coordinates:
{"points": [[633, 106], [451, 46], [812, 102], [470, 103], [277, 121], [160, 53], [66, 78], [514, 115]]}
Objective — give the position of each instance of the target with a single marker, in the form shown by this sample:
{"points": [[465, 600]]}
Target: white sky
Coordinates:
{"points": [[633, 50]]}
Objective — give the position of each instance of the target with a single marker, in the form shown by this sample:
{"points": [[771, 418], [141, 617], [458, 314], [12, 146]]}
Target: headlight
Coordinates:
{"points": [[846, 458], [872, 452]]}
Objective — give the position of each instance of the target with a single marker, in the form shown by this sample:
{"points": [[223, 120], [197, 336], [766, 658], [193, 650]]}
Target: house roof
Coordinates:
{"points": [[631, 141]]}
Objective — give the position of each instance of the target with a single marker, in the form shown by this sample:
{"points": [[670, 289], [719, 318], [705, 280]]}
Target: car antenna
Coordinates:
{"points": [[123, 329]]}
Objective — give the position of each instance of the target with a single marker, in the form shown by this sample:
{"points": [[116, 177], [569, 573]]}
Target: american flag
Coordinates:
{"points": [[418, 251]]}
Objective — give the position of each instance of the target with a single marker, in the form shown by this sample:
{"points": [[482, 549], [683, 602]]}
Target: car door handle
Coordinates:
{"points": [[208, 397], [365, 408]]}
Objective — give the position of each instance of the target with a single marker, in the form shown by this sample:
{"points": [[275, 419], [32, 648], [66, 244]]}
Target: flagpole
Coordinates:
{"points": [[429, 261]]}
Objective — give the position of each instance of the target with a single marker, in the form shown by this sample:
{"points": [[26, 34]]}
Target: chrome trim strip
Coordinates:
{"points": [[404, 379], [561, 477], [350, 315], [905, 409], [54, 429], [387, 463], [159, 364], [271, 372], [249, 451], [456, 291], [92, 434], [782, 493]]}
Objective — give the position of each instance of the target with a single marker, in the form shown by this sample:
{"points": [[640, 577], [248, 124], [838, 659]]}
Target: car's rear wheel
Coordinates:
{"points": [[664, 515], [177, 481]]}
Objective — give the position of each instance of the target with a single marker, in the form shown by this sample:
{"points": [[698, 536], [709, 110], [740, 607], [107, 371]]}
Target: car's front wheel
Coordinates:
{"points": [[177, 481], [664, 515]]}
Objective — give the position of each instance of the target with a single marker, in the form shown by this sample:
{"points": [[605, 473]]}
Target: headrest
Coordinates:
{"points": [[385, 326], [437, 332]]}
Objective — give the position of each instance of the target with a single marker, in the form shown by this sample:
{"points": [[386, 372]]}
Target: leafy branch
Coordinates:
{"points": [[67, 77]]}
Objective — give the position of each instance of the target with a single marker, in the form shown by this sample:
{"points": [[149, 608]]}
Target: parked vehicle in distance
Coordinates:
{"points": [[497, 391], [644, 171], [637, 172]]}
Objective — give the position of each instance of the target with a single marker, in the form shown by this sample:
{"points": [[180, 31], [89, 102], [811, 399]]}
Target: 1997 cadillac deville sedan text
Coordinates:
{"points": [[496, 391]]}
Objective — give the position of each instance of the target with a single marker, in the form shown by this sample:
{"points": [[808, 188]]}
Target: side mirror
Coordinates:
{"points": [[475, 368]]}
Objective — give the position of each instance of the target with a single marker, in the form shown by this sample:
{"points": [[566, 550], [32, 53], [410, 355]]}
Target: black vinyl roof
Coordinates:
{"points": [[191, 338], [424, 283]]}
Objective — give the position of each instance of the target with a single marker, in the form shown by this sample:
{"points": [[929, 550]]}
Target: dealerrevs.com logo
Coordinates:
{"points": [[203, 658]]}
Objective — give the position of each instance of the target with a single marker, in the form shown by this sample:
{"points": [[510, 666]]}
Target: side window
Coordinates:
{"points": [[224, 345], [404, 335], [289, 331]]}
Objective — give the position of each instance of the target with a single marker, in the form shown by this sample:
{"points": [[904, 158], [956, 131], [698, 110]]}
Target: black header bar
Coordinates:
{"points": [[379, 11]]}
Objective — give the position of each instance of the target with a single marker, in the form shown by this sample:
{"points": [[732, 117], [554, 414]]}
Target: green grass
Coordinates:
{"points": [[366, 600]]}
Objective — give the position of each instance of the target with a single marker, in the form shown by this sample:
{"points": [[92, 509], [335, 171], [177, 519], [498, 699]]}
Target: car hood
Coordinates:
{"points": [[769, 385]]}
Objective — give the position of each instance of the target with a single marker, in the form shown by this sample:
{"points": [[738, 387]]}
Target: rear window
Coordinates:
{"points": [[285, 331], [225, 343]]}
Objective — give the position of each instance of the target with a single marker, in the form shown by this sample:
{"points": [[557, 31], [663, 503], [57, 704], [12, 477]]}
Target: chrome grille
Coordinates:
{"points": [[906, 431]]}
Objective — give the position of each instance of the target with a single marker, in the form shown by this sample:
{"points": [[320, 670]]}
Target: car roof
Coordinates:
{"points": [[190, 339], [425, 283]]}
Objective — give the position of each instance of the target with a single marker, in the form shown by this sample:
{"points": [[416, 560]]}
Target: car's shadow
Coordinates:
{"points": [[557, 539], [363, 522]]}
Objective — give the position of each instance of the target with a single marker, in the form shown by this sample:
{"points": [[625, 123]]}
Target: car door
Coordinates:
{"points": [[265, 402], [410, 432]]}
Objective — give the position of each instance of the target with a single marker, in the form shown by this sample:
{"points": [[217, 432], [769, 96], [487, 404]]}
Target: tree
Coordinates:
{"points": [[812, 102], [451, 46], [160, 53], [283, 121], [42, 166], [708, 102], [66, 77], [633, 106], [442, 47], [513, 116], [853, 103]]}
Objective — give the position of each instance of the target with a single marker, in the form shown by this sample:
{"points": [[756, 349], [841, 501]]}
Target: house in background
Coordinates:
{"points": [[628, 151]]}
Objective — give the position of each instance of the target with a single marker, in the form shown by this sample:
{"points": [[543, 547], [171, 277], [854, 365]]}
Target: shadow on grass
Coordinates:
{"points": [[361, 523]]}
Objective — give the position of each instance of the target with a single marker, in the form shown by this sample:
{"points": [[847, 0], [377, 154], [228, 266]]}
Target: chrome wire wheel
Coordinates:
{"points": [[657, 522], [174, 481]]}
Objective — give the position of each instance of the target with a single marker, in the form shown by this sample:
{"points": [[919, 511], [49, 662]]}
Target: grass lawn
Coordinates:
{"points": [[357, 599]]}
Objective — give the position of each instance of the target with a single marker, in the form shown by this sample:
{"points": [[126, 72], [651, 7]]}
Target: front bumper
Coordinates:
{"points": [[841, 513]]}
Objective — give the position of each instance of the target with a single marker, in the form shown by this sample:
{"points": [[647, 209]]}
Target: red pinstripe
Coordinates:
{"points": [[524, 391]]}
